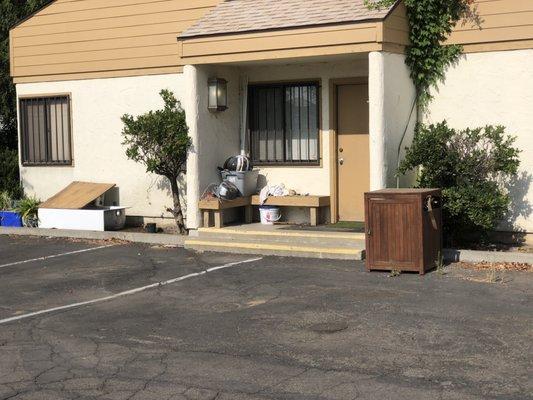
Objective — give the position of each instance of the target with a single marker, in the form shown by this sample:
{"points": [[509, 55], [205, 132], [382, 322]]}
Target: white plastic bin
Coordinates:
{"points": [[245, 181]]}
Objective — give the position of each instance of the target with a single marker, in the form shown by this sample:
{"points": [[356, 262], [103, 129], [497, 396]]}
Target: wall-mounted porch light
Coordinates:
{"points": [[218, 94]]}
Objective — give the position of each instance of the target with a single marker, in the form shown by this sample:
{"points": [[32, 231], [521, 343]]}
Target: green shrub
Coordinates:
{"points": [[6, 202], [27, 208], [9, 173], [471, 166]]}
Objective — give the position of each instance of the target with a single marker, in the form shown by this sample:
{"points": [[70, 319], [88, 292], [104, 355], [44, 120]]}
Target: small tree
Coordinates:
{"points": [[159, 139], [471, 166]]}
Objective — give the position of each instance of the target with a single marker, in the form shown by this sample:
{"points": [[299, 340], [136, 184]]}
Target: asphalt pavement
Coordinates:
{"points": [[104, 320]]}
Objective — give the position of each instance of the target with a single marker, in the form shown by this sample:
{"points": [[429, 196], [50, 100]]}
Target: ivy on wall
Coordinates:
{"points": [[430, 24]]}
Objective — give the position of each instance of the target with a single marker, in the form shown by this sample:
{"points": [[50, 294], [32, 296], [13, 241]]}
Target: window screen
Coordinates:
{"points": [[45, 131], [284, 123]]}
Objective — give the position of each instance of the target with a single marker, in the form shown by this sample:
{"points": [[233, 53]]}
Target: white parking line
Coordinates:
{"points": [[128, 292], [55, 256]]}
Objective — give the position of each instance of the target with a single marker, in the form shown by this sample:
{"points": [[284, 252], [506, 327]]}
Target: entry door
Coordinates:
{"points": [[353, 154]]}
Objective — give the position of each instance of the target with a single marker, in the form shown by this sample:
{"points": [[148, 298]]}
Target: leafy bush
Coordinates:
{"points": [[471, 166], [9, 173], [6, 203], [27, 208]]}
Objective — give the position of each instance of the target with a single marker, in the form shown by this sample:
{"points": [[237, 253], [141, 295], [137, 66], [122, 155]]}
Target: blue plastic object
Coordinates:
{"points": [[11, 219]]}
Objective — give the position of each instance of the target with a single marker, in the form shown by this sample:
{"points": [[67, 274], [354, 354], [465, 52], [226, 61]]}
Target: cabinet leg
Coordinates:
{"points": [[248, 214], [219, 223], [313, 211]]}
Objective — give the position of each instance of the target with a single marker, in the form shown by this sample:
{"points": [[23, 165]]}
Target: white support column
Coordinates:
{"points": [[215, 135], [391, 97], [191, 106], [376, 104]]}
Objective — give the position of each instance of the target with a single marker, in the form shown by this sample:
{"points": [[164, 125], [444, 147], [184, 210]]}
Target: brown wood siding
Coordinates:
{"points": [[81, 39], [505, 25], [72, 39], [396, 27], [286, 43]]}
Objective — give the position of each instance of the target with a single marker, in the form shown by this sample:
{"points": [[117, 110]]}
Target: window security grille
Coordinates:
{"points": [[45, 130], [284, 123]]}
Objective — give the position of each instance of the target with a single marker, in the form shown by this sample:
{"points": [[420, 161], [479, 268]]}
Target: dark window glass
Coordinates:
{"points": [[45, 131], [283, 122]]}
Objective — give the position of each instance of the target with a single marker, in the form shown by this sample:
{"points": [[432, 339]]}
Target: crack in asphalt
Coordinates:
{"points": [[40, 336]]}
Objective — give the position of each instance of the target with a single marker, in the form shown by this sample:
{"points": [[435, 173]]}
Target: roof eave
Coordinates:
{"points": [[182, 37]]}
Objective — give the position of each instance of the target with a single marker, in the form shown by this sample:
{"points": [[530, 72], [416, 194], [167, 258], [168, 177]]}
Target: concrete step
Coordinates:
{"points": [[280, 235], [310, 244], [276, 249], [305, 241]]}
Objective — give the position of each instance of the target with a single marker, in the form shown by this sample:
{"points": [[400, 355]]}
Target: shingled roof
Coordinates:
{"points": [[236, 16]]}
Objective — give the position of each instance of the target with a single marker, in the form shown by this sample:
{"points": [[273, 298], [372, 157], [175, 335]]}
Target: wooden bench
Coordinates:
{"points": [[314, 203], [216, 207]]}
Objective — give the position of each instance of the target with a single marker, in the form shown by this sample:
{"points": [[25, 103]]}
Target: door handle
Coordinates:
{"points": [[341, 161]]}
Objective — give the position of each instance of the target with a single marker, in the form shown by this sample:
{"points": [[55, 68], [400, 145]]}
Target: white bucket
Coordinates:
{"points": [[269, 215]]}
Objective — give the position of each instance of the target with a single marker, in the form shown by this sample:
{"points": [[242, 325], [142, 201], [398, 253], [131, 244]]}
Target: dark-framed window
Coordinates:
{"points": [[283, 122], [45, 130]]}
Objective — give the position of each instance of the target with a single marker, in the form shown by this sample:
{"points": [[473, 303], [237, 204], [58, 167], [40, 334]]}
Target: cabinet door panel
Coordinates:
{"points": [[394, 240]]}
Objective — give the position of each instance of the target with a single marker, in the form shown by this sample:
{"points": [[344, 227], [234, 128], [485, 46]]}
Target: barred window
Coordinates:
{"points": [[45, 130], [284, 123]]}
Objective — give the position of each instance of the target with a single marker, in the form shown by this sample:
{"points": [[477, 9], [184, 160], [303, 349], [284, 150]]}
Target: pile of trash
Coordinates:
{"points": [[222, 191], [238, 179], [275, 190]]}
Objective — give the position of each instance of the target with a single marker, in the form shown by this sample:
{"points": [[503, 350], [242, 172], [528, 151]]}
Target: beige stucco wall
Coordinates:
{"points": [[215, 135], [99, 156], [391, 99], [495, 88]]}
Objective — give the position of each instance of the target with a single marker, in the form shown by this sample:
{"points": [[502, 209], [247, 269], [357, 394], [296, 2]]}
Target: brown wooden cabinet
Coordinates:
{"points": [[403, 229]]}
